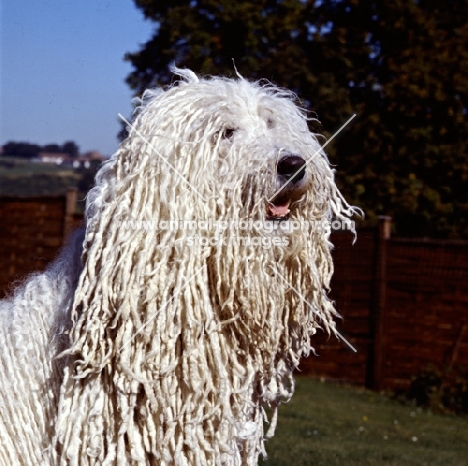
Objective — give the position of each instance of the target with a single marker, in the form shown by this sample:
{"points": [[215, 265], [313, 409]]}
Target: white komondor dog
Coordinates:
{"points": [[168, 331]]}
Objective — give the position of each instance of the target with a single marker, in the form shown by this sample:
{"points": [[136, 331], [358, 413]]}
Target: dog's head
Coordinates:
{"points": [[223, 149]]}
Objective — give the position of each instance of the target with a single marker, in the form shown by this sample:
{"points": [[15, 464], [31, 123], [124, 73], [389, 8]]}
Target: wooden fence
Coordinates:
{"points": [[32, 230], [404, 302]]}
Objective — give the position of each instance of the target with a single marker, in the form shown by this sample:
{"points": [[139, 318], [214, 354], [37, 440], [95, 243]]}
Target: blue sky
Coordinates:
{"points": [[62, 70]]}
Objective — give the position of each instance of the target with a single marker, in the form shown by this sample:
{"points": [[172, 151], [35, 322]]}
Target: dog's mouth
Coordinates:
{"points": [[278, 211], [291, 180]]}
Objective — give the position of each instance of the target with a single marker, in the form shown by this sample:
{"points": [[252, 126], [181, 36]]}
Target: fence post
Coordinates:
{"points": [[377, 349], [70, 206]]}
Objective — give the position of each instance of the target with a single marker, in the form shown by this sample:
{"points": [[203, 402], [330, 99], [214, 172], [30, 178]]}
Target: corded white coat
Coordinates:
{"points": [[139, 346]]}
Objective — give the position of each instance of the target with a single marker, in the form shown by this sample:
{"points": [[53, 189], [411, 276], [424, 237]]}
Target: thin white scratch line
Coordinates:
{"points": [[341, 337], [159, 154], [162, 307], [310, 160]]}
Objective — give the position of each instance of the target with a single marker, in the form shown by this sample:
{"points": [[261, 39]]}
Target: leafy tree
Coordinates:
{"points": [[265, 39], [27, 150], [71, 149], [406, 154], [21, 149], [52, 148], [401, 66]]}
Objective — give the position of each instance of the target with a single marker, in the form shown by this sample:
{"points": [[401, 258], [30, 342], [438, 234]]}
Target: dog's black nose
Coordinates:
{"points": [[291, 164]]}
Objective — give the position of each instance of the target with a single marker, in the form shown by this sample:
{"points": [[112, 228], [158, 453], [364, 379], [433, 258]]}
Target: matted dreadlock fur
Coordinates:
{"points": [[176, 351]]}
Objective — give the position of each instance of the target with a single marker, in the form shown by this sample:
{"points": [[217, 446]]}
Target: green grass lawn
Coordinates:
{"points": [[327, 424]]}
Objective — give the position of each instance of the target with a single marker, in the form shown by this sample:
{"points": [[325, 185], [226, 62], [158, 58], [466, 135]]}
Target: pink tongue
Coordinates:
{"points": [[279, 210]]}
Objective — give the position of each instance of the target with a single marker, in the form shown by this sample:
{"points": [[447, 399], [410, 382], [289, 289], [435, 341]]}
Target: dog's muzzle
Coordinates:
{"points": [[291, 185]]}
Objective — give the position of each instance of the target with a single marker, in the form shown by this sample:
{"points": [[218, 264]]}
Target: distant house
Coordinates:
{"points": [[64, 159], [58, 158], [86, 159]]}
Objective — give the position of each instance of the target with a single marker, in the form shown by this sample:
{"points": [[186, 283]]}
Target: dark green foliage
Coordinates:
{"points": [[71, 149], [441, 390], [51, 148], [408, 155], [28, 150], [401, 66], [21, 149]]}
